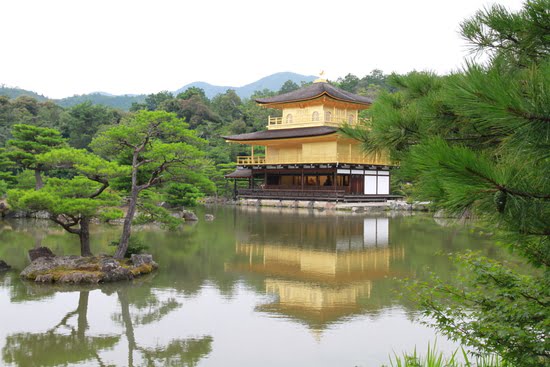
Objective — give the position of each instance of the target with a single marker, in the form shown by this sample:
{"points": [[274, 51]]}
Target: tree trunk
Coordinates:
{"points": [[127, 227], [84, 235], [38, 178]]}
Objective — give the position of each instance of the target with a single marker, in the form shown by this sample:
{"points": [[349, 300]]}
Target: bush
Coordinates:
{"points": [[181, 194], [135, 247]]}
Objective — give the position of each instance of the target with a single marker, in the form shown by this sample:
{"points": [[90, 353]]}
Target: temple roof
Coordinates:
{"points": [[283, 133], [240, 173], [316, 90]]}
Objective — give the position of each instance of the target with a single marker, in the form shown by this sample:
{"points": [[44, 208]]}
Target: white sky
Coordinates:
{"points": [[64, 47]]}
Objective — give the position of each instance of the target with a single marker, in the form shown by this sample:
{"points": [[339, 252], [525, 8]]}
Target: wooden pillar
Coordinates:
{"points": [[252, 153], [302, 178], [234, 189]]}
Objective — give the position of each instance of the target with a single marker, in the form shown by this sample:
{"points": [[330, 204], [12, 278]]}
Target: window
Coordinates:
{"points": [[351, 119], [328, 116], [315, 116], [289, 118]]}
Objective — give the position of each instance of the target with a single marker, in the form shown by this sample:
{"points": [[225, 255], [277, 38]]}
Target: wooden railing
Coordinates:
{"points": [[247, 160], [305, 194], [296, 121], [317, 158]]}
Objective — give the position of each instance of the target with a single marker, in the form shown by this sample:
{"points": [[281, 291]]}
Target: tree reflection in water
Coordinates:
{"points": [[179, 352], [67, 342], [62, 344]]}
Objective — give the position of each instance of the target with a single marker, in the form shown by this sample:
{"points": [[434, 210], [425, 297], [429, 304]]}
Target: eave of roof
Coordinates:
{"points": [[283, 133], [240, 173], [314, 91]]}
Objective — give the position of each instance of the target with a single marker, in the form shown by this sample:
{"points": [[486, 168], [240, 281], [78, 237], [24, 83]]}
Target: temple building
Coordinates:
{"points": [[305, 158]]}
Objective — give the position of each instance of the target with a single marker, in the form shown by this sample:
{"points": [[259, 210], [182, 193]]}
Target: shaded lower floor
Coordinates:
{"points": [[313, 182]]}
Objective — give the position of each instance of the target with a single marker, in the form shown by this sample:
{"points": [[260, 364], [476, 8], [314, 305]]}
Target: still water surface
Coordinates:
{"points": [[255, 287]]}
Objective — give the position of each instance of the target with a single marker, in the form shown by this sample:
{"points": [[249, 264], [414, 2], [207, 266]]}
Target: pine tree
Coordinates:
{"points": [[479, 141]]}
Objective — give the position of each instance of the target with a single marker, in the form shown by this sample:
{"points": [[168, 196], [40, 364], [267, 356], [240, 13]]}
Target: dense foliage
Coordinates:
{"points": [[478, 142]]}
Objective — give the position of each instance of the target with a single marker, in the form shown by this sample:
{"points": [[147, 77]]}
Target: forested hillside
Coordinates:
{"points": [[210, 118], [272, 82]]}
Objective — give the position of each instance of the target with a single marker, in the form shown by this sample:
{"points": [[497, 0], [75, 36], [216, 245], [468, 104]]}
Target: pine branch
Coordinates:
{"points": [[66, 225], [506, 189], [528, 116]]}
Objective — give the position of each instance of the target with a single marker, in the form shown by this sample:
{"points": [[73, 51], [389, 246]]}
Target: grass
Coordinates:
{"points": [[433, 358]]}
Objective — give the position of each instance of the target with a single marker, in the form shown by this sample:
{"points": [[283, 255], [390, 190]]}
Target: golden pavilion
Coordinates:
{"points": [[305, 157]]}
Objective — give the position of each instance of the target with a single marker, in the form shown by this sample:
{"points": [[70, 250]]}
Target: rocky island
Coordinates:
{"points": [[48, 268]]}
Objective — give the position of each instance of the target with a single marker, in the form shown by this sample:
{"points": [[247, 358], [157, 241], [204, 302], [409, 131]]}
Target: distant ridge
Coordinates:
{"points": [[272, 82], [18, 92]]}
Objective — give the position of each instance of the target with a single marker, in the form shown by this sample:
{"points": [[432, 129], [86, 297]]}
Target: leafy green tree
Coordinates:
{"points": [[161, 149], [30, 141], [81, 122], [288, 86], [193, 91], [478, 142], [194, 109], [182, 194], [72, 203], [348, 83], [227, 105]]}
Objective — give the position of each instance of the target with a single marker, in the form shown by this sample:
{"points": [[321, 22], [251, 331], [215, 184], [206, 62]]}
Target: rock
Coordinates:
{"points": [[3, 208], [41, 214], [208, 217], [422, 206], [4, 266], [441, 213], [141, 259], [44, 278], [36, 253], [400, 205], [79, 277], [117, 274], [41, 265], [16, 214], [189, 216]]}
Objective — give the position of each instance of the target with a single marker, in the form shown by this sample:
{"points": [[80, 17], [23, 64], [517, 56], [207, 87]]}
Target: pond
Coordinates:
{"points": [[254, 287]]}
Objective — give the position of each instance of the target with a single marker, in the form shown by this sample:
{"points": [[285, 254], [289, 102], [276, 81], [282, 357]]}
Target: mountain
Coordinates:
{"points": [[18, 92], [272, 82], [123, 102]]}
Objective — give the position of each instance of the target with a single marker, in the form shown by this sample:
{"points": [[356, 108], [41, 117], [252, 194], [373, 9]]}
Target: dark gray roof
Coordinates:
{"points": [[313, 91], [283, 133], [240, 173]]}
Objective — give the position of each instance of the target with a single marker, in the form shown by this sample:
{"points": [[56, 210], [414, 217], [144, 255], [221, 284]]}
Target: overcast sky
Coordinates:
{"points": [[64, 47]]}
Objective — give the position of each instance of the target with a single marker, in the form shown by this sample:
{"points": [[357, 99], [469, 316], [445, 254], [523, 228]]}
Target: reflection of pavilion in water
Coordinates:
{"points": [[321, 281]]}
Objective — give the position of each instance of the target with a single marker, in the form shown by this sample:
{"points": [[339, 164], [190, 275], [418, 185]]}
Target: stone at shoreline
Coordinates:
{"points": [[27, 214], [208, 217], [36, 253], [4, 266], [87, 270], [189, 216], [441, 213], [143, 259]]}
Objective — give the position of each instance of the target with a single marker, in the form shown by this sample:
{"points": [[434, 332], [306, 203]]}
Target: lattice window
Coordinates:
{"points": [[315, 116]]}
